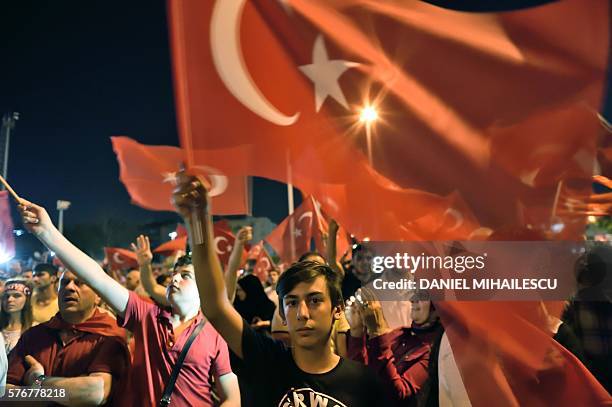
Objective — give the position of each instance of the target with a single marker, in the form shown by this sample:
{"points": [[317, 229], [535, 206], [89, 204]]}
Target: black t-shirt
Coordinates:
{"points": [[275, 380]]}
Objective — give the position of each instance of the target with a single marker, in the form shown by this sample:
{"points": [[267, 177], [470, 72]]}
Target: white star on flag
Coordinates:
{"points": [[324, 73], [169, 177], [297, 233]]}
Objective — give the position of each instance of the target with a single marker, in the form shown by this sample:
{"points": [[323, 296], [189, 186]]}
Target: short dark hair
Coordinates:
{"points": [[45, 268], [161, 279], [307, 271], [306, 255], [183, 261], [592, 267]]}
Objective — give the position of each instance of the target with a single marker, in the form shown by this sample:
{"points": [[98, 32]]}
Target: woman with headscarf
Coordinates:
{"points": [[400, 357], [252, 303]]}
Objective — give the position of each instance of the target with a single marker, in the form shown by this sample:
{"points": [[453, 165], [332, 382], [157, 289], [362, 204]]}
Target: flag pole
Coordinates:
{"points": [[8, 123], [369, 144], [291, 205], [556, 201], [10, 190]]}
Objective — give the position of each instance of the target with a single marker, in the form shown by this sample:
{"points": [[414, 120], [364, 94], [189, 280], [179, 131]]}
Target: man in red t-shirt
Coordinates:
{"points": [[159, 334], [81, 349]]}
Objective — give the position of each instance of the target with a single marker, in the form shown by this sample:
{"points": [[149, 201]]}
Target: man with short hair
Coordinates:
{"points": [[44, 298], [159, 334], [132, 280], [134, 283], [308, 372], [27, 274], [80, 349], [271, 288]]}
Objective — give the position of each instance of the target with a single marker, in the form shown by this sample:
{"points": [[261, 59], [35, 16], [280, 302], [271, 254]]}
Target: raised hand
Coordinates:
{"points": [[372, 314], [142, 248], [245, 234], [189, 194], [353, 316], [333, 226], [35, 218]]}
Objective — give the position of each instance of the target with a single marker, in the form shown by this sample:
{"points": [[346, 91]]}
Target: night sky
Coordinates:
{"points": [[80, 72]]}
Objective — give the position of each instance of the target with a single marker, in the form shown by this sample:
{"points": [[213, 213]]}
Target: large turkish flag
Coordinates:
{"points": [[490, 112], [280, 85]]}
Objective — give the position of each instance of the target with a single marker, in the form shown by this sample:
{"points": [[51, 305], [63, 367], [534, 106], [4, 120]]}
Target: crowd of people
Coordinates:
{"points": [[207, 334]]}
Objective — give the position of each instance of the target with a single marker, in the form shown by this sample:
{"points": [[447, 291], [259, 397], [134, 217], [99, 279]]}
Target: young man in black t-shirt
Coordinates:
{"points": [[306, 375]]}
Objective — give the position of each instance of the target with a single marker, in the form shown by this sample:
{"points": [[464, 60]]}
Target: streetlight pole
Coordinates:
{"points": [[369, 143], [61, 207], [8, 123]]}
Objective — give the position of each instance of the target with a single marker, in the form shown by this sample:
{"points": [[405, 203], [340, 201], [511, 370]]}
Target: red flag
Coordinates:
{"points": [[7, 240], [224, 240], [321, 233], [455, 222], [148, 174], [291, 238], [179, 243], [181, 230], [435, 77], [172, 246], [120, 259], [524, 365], [263, 262], [484, 104]]}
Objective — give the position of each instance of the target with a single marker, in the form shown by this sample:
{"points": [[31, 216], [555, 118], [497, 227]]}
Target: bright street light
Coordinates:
{"points": [[368, 115]]}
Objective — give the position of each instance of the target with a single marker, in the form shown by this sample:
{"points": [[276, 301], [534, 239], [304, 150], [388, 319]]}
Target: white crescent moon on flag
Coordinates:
{"points": [[456, 215], [480, 233], [218, 182], [218, 239], [306, 215], [117, 258], [265, 260], [229, 62]]}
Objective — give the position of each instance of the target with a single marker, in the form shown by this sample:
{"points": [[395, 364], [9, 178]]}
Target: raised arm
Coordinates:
{"points": [[330, 249], [191, 200], [142, 248], [36, 220], [231, 274]]}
